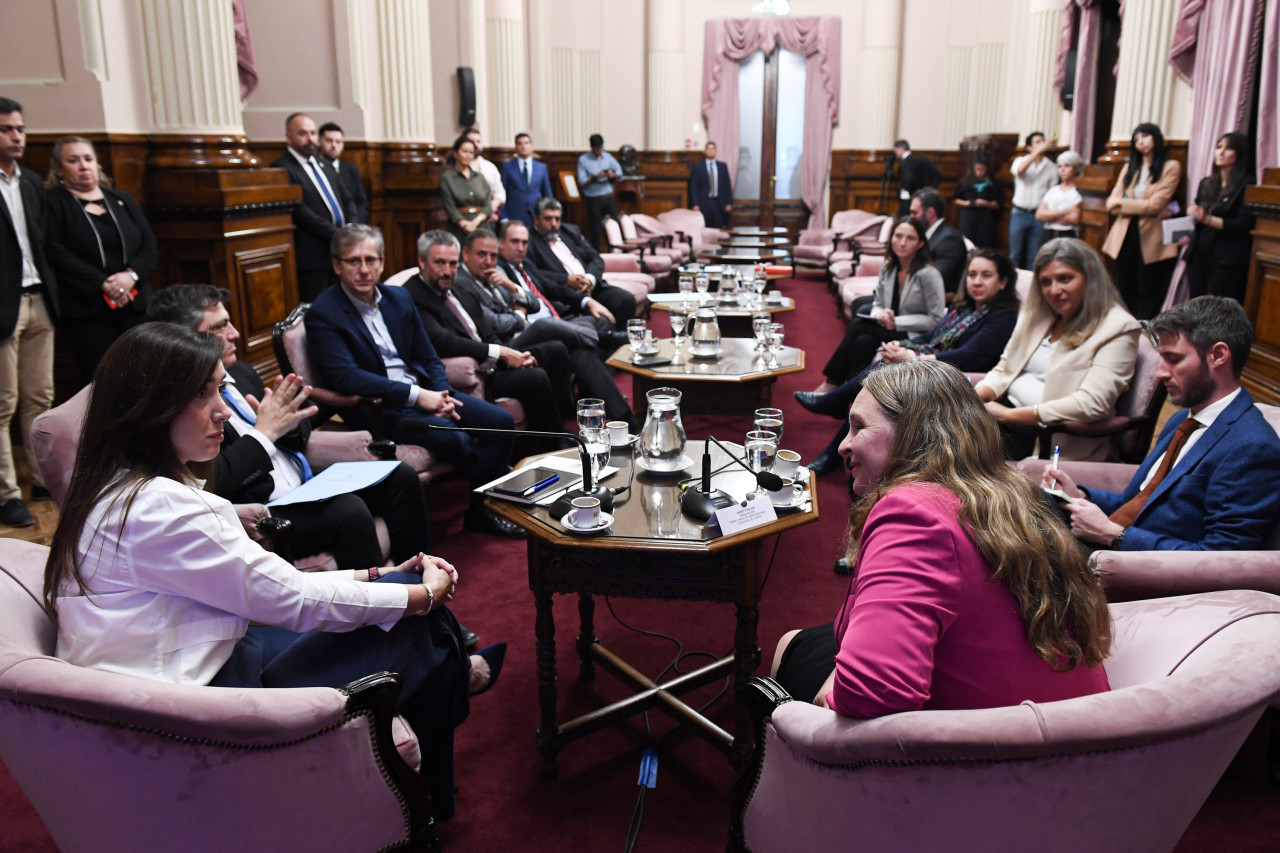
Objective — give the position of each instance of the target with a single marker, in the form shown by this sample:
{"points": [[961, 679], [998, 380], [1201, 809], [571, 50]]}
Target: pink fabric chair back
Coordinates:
{"points": [[1023, 284], [1122, 770], [648, 225], [844, 221], [55, 438], [691, 222], [628, 227], [613, 234], [399, 279]]}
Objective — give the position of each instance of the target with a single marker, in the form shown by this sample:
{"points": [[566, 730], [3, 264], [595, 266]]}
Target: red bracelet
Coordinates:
{"points": [[373, 573]]}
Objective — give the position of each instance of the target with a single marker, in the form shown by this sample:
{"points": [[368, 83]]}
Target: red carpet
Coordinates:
{"points": [[504, 802]]}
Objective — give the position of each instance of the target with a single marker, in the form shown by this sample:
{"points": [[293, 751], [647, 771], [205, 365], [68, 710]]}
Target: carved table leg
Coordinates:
{"points": [[746, 659], [548, 729], [586, 635]]}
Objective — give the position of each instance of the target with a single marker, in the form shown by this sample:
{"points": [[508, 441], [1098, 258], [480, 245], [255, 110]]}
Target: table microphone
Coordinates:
{"points": [[701, 501], [563, 504]]}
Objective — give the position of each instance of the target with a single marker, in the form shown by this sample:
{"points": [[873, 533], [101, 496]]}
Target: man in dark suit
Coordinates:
{"points": [[366, 339], [537, 375], [332, 145], [28, 310], [264, 445], [709, 189], [561, 254], [946, 243], [1209, 483], [323, 210], [525, 180], [915, 173], [495, 293]]}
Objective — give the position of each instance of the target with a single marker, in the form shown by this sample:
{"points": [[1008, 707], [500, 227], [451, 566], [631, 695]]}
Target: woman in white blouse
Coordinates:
{"points": [[1059, 211], [152, 576], [1071, 355]]}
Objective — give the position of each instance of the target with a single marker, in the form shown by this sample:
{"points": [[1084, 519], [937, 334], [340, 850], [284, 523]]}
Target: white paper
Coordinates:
{"points": [[341, 478], [1177, 228], [556, 463], [745, 515]]}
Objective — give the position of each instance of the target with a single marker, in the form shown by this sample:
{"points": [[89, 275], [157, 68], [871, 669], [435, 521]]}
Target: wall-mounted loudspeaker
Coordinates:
{"points": [[466, 97]]}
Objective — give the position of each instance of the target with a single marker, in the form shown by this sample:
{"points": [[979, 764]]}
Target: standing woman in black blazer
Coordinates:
{"points": [[102, 250], [1219, 254]]}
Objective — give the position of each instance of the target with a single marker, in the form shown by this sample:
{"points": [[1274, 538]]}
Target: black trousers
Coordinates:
{"points": [[1206, 278], [1142, 285], [481, 457], [598, 207], [545, 391], [862, 339], [589, 372], [343, 526], [621, 304]]}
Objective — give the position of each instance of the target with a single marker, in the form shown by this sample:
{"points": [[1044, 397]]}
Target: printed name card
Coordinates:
{"points": [[745, 514]]}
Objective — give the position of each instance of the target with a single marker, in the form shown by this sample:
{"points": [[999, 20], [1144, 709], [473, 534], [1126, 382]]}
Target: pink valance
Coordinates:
{"points": [[729, 42], [245, 63], [1182, 52], [1080, 30]]}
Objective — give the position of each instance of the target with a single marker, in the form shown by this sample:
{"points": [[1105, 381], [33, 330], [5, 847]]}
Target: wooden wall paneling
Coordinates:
{"points": [[1262, 299], [406, 198]]}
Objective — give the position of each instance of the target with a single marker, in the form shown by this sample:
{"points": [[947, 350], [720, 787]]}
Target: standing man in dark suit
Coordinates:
{"points": [[537, 375], [367, 339], [264, 445], [28, 309], [709, 189], [914, 174], [525, 180], [564, 257], [323, 210], [946, 243], [332, 144]]}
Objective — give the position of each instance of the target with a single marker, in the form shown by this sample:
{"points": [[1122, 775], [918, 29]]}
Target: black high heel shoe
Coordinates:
{"points": [[825, 464], [494, 656], [819, 403]]}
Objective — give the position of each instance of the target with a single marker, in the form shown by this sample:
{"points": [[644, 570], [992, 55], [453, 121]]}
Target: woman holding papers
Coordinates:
{"points": [[966, 592], [150, 575]]}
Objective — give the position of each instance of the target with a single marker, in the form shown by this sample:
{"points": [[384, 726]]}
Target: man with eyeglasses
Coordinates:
{"points": [[366, 339]]}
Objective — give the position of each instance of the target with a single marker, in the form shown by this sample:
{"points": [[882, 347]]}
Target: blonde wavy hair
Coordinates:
{"points": [[54, 177], [1099, 296], [944, 436]]}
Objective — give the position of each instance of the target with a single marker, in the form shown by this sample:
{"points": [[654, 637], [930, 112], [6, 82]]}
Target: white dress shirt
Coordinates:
{"points": [[170, 594], [317, 177], [1030, 186], [1205, 417], [492, 177], [571, 263], [284, 471], [11, 192]]}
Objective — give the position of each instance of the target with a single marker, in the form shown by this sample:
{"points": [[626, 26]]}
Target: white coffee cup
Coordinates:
{"points": [[787, 463], [787, 495], [585, 514], [618, 433]]}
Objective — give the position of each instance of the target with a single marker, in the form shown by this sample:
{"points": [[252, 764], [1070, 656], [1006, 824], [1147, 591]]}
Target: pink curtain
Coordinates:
{"points": [[1269, 91], [1082, 33], [244, 50], [729, 42], [1221, 55]]}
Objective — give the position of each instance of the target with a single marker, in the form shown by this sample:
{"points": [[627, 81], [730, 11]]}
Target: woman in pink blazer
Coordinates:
{"points": [[967, 592]]}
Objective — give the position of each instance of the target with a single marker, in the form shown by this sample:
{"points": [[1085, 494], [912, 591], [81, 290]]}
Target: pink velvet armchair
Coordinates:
{"points": [[1124, 771], [114, 762]]}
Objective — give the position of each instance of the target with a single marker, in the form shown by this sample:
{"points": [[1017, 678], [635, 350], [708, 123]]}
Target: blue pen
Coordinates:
{"points": [[536, 487], [1056, 451]]}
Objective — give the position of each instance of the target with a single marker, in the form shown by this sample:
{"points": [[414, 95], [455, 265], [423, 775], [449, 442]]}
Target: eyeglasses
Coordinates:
{"points": [[371, 261]]}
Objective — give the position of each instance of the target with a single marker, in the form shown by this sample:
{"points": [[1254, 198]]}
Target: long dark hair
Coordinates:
{"points": [[1005, 271], [1215, 189], [923, 255], [145, 380], [1159, 154]]}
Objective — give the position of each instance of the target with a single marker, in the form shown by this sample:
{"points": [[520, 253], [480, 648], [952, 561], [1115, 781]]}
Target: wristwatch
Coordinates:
{"points": [[1118, 541]]}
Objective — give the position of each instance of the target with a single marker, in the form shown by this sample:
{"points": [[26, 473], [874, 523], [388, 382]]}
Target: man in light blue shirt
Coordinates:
{"points": [[597, 170]]}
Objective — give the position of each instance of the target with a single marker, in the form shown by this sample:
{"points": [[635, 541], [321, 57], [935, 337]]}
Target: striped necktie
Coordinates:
{"points": [[334, 208]]}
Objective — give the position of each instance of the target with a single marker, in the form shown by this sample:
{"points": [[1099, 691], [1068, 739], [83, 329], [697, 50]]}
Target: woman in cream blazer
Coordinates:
{"points": [[1073, 304], [1144, 262]]}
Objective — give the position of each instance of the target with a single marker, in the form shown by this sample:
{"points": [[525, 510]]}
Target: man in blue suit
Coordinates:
{"points": [[709, 189], [1218, 491], [367, 339], [525, 180]]}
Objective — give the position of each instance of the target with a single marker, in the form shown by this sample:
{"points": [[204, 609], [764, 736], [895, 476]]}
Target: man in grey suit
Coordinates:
{"points": [[323, 210]]}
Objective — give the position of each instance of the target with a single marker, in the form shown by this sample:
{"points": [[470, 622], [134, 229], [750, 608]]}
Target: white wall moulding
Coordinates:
{"points": [[508, 90], [35, 59], [404, 39], [91, 39], [191, 66], [1145, 81], [666, 128], [1041, 109]]}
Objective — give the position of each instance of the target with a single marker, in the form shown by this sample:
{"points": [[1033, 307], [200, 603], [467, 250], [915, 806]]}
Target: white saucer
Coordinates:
{"points": [[686, 462], [775, 298], [642, 353], [630, 439], [606, 521], [795, 504], [695, 354]]}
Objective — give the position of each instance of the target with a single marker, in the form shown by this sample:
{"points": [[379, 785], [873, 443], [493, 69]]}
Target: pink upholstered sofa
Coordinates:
{"points": [[1123, 771], [113, 762]]}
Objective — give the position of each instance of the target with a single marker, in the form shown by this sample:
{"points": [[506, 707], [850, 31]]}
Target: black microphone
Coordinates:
{"points": [[700, 501], [563, 504]]}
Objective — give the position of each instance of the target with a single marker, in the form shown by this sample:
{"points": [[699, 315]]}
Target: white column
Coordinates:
{"points": [[540, 22], [1145, 81], [956, 116], [404, 47], [877, 74], [507, 88], [191, 66], [665, 84], [1041, 109], [986, 70], [471, 16]]}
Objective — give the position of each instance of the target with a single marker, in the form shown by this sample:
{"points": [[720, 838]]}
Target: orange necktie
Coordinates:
{"points": [[1126, 514]]}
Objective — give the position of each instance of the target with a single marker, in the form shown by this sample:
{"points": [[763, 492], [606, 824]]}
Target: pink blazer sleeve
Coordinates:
{"points": [[906, 590]]}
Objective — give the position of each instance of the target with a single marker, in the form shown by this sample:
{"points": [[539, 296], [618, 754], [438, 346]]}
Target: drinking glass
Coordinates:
{"points": [[679, 319], [686, 283], [773, 339], [635, 334], [758, 284], [591, 414], [761, 448], [597, 450], [760, 328], [770, 420], [702, 282]]}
